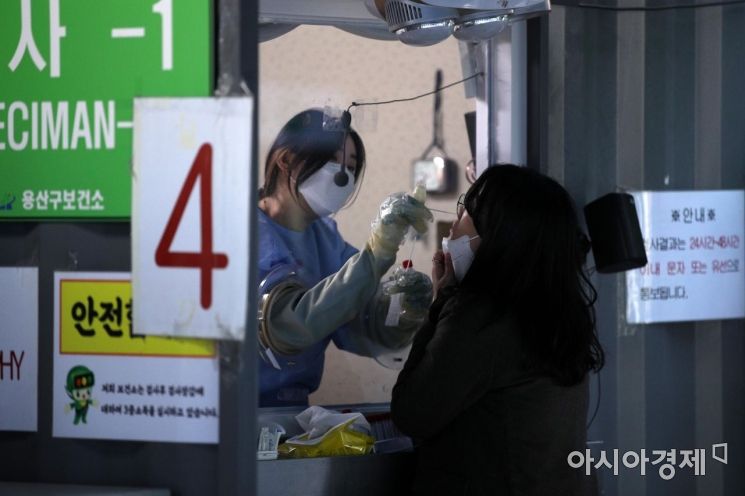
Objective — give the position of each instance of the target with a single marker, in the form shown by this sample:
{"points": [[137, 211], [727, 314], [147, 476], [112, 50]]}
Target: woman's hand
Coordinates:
{"points": [[442, 271]]}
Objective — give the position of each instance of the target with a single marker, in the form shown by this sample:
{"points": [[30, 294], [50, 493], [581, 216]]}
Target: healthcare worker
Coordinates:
{"points": [[314, 286]]}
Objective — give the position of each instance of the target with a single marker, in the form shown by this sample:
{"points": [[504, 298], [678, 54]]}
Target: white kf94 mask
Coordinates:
{"points": [[460, 253], [322, 193]]}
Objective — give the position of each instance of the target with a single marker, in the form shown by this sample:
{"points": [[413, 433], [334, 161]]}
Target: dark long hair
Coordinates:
{"points": [[531, 261], [311, 147]]}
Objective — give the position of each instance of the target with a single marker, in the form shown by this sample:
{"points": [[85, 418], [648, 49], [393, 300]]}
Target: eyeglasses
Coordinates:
{"points": [[459, 209], [461, 205]]}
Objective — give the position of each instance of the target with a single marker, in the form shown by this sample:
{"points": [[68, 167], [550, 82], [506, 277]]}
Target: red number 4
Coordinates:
{"points": [[205, 260]]}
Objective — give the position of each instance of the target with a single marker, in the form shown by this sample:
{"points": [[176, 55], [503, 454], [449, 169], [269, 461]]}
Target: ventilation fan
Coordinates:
{"points": [[419, 24], [480, 25], [426, 22]]}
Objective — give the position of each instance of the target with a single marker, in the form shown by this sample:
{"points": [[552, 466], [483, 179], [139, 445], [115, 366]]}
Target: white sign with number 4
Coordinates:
{"points": [[190, 216]]}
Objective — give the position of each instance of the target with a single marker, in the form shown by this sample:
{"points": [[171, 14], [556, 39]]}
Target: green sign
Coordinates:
{"points": [[69, 70]]}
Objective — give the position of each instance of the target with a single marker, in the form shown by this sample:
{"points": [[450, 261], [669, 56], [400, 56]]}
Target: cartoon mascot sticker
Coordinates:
{"points": [[80, 380]]}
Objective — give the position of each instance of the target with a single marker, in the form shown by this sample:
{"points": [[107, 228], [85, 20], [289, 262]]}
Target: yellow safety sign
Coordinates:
{"points": [[96, 318]]}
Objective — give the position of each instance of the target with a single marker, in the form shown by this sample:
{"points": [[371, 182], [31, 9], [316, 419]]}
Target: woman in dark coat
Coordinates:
{"points": [[495, 389]]}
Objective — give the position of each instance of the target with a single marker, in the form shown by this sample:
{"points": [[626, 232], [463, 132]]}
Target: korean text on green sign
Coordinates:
{"points": [[69, 70]]}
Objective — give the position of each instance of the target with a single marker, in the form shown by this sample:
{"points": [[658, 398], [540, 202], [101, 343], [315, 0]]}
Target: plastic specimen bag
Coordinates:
{"points": [[329, 433]]}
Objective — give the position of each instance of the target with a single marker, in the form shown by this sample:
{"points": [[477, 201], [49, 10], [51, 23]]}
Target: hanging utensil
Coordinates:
{"points": [[435, 168]]}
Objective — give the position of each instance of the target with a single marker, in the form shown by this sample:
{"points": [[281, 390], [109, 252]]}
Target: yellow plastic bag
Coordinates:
{"points": [[339, 440]]}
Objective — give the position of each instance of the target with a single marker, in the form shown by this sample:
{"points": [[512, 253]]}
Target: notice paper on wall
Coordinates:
{"points": [[112, 383], [19, 344], [694, 244]]}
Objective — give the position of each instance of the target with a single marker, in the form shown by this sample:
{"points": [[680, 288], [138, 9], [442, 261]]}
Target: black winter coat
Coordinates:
{"points": [[484, 422]]}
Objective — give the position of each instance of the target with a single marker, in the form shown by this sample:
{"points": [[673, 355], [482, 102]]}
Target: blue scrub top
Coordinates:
{"points": [[314, 254]]}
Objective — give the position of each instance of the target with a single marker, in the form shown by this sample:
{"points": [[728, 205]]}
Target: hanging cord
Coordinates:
{"points": [[365, 104], [346, 124]]}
